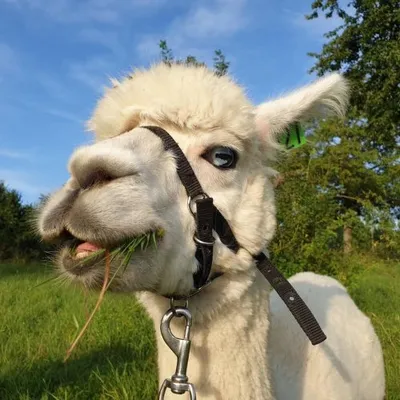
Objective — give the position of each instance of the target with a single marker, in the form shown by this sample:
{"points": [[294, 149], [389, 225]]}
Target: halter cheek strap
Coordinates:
{"points": [[209, 218], [204, 213]]}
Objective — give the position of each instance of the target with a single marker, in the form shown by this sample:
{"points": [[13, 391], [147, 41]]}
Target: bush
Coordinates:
{"points": [[18, 240]]}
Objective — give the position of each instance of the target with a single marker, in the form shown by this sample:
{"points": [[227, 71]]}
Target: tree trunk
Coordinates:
{"points": [[347, 238]]}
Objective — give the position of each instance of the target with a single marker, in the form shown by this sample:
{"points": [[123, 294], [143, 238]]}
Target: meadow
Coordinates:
{"points": [[116, 358]]}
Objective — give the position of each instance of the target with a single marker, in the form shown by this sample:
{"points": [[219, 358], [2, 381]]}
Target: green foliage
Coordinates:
{"points": [[367, 48], [364, 167], [11, 213], [348, 178], [221, 66], [166, 52], [17, 238], [308, 233]]}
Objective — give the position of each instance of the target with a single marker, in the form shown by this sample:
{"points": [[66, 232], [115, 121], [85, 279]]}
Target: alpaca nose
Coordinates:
{"points": [[101, 163], [51, 221], [93, 177]]}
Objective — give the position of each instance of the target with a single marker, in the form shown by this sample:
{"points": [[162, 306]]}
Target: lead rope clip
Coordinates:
{"points": [[179, 382]]}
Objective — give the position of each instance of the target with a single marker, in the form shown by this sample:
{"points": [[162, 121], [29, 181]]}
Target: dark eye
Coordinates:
{"points": [[221, 157]]}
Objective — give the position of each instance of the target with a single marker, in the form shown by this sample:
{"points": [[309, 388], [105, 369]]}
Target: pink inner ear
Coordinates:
{"points": [[263, 127]]}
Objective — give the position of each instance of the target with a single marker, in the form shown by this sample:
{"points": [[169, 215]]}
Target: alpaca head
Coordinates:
{"points": [[126, 184]]}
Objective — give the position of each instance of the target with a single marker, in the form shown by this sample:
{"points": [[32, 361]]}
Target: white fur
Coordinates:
{"points": [[348, 365], [322, 98], [126, 183]]}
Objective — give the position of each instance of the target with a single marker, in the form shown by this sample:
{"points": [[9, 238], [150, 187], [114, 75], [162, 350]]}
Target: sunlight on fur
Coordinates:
{"points": [[246, 344]]}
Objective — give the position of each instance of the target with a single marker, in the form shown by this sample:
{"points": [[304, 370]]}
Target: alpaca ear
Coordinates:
{"points": [[326, 96], [108, 123], [130, 118]]}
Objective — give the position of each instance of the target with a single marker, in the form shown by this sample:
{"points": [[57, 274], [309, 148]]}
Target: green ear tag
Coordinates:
{"points": [[294, 137]]}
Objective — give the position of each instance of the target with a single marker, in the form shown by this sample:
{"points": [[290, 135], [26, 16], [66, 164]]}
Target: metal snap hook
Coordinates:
{"points": [[167, 385], [178, 383], [172, 305]]}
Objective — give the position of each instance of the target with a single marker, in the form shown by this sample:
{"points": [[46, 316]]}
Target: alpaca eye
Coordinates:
{"points": [[221, 157]]}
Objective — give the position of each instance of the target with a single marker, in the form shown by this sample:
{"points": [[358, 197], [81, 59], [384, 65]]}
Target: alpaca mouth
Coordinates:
{"points": [[79, 257]]}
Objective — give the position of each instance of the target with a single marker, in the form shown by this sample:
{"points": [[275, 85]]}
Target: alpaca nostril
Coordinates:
{"points": [[96, 177], [66, 235]]}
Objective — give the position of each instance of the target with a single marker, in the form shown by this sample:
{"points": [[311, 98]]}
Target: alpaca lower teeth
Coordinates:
{"points": [[82, 254]]}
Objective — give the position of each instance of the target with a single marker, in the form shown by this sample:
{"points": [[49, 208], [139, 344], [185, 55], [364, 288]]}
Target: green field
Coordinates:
{"points": [[116, 358]]}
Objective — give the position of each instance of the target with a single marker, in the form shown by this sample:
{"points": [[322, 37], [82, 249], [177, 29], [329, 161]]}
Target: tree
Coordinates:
{"points": [[166, 52], [11, 213], [17, 238], [357, 161], [221, 66], [342, 189], [366, 47]]}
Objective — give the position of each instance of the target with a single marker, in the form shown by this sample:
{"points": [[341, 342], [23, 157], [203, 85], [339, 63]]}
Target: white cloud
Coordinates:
{"points": [[92, 72], [80, 11], [221, 18], [147, 48], [204, 20], [8, 60], [56, 112], [55, 88], [23, 183], [14, 154], [106, 39], [64, 115], [315, 28]]}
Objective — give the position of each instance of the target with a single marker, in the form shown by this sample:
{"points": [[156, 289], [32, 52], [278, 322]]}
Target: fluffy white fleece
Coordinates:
{"points": [[246, 345]]}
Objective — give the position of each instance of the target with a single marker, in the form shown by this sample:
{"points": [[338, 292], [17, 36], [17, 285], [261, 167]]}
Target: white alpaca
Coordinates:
{"points": [[245, 343]]}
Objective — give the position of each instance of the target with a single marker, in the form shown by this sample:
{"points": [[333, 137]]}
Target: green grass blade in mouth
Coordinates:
{"points": [[143, 241], [124, 250]]}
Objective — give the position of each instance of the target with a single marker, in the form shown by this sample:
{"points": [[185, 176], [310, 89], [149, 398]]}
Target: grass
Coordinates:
{"points": [[377, 292], [116, 357], [114, 360]]}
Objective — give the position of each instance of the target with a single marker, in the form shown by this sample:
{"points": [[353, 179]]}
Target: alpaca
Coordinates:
{"points": [[245, 343]]}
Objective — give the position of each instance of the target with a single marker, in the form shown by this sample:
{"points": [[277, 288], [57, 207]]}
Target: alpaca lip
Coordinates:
{"points": [[87, 247], [79, 257], [79, 266]]}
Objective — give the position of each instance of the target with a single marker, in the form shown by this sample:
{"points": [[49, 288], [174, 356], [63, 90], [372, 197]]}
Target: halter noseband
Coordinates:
{"points": [[209, 218]]}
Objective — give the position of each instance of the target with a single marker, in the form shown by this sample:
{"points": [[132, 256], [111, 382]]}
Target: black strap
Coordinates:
{"points": [[282, 286], [204, 207], [208, 217], [205, 215], [291, 298], [185, 171], [225, 232]]}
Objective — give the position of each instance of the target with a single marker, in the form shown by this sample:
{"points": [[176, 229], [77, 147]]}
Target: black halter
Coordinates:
{"points": [[209, 218]]}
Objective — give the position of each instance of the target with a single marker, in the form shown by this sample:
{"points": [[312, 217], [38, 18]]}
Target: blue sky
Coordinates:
{"points": [[57, 55]]}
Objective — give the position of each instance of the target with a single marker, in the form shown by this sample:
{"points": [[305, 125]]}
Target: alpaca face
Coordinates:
{"points": [[126, 184]]}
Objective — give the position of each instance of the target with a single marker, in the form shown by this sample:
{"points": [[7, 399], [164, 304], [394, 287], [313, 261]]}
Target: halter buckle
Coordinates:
{"points": [[202, 242], [190, 200]]}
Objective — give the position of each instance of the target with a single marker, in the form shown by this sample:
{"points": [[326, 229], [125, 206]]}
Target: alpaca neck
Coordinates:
{"points": [[228, 357]]}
